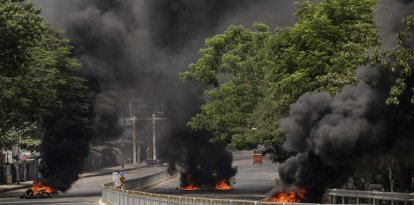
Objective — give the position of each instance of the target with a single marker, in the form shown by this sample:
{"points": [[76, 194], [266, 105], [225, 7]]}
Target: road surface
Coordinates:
{"points": [[84, 191], [253, 182]]}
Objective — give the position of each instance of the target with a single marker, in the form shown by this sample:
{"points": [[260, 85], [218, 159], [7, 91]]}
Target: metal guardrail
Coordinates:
{"points": [[130, 196], [124, 197], [111, 195], [341, 195]]}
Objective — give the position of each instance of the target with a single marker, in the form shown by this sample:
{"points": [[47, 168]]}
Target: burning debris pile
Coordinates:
{"points": [[289, 195], [39, 189], [223, 185], [189, 185], [206, 166]]}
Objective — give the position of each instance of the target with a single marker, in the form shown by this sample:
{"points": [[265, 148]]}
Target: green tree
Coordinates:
{"points": [[38, 77], [69, 105], [28, 137], [320, 52], [265, 72], [21, 28], [232, 66]]}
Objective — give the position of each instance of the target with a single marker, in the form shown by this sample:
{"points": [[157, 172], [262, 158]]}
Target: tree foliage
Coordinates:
{"points": [[21, 28], [401, 61], [320, 52], [252, 77], [233, 66], [38, 76]]}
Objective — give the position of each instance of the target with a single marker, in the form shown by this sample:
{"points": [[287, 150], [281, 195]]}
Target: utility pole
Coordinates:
{"points": [[136, 151], [123, 141], [154, 140], [134, 141], [138, 144], [134, 137]]}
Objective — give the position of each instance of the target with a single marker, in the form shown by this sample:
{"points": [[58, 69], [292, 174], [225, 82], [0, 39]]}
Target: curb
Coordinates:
{"points": [[15, 188]]}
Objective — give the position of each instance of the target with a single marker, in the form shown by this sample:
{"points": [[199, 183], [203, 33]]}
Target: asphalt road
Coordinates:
{"points": [[253, 182], [84, 191]]}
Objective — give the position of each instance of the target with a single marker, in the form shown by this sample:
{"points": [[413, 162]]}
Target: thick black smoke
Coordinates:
{"points": [[202, 162], [136, 48], [333, 136]]}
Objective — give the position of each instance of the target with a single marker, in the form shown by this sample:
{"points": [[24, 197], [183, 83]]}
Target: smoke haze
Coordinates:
{"points": [[389, 19], [136, 48]]}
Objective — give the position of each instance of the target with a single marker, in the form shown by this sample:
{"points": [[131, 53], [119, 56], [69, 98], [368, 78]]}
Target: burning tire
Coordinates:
{"points": [[40, 189], [46, 195], [28, 194]]}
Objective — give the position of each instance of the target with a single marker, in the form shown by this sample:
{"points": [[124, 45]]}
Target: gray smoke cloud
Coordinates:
{"points": [[136, 48], [389, 18], [333, 135]]}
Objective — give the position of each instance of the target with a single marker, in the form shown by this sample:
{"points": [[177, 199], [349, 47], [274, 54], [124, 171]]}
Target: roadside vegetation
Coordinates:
{"points": [[39, 81]]}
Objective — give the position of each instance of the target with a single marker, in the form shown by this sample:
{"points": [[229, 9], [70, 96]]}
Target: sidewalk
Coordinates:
{"points": [[103, 171]]}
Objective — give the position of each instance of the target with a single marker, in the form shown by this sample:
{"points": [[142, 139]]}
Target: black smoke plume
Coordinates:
{"points": [[136, 48], [334, 135]]}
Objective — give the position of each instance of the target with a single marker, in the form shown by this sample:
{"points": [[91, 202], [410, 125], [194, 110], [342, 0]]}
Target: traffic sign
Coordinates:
{"points": [[122, 173]]}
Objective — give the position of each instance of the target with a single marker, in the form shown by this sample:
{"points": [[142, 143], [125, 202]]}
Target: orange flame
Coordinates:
{"points": [[39, 187], [293, 197], [190, 185], [223, 185]]}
